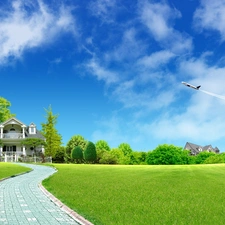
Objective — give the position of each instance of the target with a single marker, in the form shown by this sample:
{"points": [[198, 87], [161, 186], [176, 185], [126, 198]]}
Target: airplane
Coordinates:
{"points": [[191, 86]]}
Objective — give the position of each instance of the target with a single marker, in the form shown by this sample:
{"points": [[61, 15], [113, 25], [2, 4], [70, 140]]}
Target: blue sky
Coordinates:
{"points": [[112, 69]]}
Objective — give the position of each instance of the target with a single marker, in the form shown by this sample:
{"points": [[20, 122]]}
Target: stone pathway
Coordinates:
{"points": [[22, 201]]}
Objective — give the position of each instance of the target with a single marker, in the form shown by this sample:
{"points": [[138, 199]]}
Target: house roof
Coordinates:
{"points": [[197, 148], [37, 135], [193, 147], [12, 120]]}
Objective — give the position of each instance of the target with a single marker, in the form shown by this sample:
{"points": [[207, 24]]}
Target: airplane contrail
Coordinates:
{"points": [[206, 92], [213, 94]]}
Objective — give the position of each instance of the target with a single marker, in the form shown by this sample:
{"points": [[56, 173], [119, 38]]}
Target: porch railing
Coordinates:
{"points": [[29, 159], [13, 135]]}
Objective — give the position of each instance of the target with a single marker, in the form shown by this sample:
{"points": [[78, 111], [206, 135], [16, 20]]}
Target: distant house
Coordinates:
{"points": [[12, 132], [196, 149]]}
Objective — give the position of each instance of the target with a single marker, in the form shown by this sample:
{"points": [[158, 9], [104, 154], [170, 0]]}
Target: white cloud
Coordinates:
{"points": [[159, 18], [103, 9], [101, 73], [22, 29], [156, 59], [211, 16], [130, 47]]}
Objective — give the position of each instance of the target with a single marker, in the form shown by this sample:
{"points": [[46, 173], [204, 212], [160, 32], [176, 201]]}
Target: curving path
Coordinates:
{"points": [[22, 202]]}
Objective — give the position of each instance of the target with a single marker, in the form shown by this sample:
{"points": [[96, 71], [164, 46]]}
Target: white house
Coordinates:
{"points": [[12, 132]]}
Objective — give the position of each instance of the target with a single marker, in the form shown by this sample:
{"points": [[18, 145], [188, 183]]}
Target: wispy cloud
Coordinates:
{"points": [[104, 9], [27, 26], [156, 59], [101, 73], [159, 18], [210, 16], [130, 47]]}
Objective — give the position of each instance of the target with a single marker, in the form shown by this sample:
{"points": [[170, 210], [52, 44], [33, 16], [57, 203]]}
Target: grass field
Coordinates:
{"points": [[125, 195], [9, 169]]}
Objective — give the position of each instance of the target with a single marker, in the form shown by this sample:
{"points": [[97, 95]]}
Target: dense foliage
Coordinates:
{"points": [[33, 142], [102, 145], [167, 155], [60, 155], [76, 140], [5, 113]]}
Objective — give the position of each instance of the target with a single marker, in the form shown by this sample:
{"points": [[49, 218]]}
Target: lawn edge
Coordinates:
{"points": [[78, 218], [15, 175]]}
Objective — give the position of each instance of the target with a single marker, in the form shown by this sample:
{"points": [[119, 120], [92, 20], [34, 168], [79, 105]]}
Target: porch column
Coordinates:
{"points": [[42, 149], [1, 131], [24, 151], [23, 131]]}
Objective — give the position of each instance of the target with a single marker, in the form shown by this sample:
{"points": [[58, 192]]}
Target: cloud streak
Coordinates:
{"points": [[23, 27], [210, 16], [159, 18]]}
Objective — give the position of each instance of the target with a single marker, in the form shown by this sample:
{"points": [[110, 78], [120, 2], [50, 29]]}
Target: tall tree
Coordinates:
{"points": [[166, 155], [5, 113], [76, 140], [125, 148], [53, 139], [90, 152], [102, 145]]}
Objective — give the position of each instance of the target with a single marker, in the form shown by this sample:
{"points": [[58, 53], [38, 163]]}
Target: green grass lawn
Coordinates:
{"points": [[9, 169], [125, 195]]}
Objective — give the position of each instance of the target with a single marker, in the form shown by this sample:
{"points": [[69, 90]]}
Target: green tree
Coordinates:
{"points": [[53, 139], [90, 152], [125, 148], [213, 159], [120, 157], [76, 140], [101, 148], [33, 143], [5, 113], [186, 158], [108, 158], [77, 154], [102, 145], [60, 155], [165, 155], [137, 158], [202, 156]]}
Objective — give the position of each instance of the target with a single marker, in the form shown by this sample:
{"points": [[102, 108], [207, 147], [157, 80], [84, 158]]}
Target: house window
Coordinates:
{"points": [[9, 148]]}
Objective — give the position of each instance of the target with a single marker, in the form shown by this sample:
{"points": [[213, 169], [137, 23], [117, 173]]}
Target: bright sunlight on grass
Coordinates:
{"points": [[9, 169], [124, 195]]}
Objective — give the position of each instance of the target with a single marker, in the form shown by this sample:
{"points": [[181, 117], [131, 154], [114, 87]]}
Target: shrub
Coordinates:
{"points": [[214, 159], [76, 140], [59, 155], [202, 156], [108, 158], [166, 155], [77, 154], [90, 153]]}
